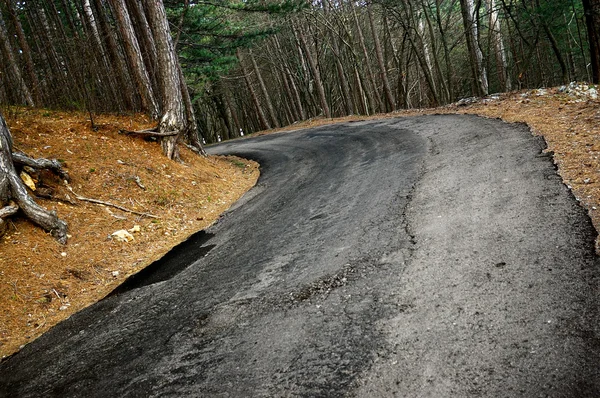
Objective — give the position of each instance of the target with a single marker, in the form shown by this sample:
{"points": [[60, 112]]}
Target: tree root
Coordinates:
{"points": [[170, 140], [150, 132], [13, 188], [101, 202], [19, 158], [6, 212]]}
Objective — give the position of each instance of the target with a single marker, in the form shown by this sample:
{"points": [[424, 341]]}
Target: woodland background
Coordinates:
{"points": [[259, 64]]}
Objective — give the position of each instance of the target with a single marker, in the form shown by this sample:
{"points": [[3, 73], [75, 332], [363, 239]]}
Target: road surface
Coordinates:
{"points": [[436, 256]]}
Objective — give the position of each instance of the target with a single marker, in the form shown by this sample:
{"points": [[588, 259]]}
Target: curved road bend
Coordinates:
{"points": [[436, 256]]}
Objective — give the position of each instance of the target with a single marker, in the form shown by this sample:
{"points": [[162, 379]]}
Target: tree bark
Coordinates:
{"points": [[498, 41], [191, 133], [145, 39], [264, 123], [12, 188], [119, 67], [390, 102], [297, 101], [134, 56], [26, 49], [21, 91], [363, 46], [173, 105], [555, 47], [470, 23], [314, 68], [263, 89]]}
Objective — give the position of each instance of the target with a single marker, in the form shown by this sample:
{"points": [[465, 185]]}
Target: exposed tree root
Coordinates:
{"points": [[6, 212], [51, 164], [150, 132], [101, 202], [13, 189], [170, 140]]}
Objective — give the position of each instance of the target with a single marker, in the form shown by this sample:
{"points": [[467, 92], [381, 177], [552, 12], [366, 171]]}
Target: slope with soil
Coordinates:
{"points": [[43, 282]]}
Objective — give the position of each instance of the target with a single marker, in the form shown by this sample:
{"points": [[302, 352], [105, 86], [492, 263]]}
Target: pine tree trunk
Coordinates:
{"points": [[345, 87], [173, 104], [263, 89], [264, 124], [25, 48], [314, 68], [592, 18], [555, 47], [21, 91], [102, 68], [445, 92], [134, 56], [363, 46], [390, 102], [191, 133], [296, 100], [145, 39], [118, 64], [470, 23], [500, 53]]}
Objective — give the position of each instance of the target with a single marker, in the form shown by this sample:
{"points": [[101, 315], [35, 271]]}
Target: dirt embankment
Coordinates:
{"points": [[43, 282]]}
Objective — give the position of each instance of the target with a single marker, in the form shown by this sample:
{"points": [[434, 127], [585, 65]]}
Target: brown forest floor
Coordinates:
{"points": [[42, 282]]}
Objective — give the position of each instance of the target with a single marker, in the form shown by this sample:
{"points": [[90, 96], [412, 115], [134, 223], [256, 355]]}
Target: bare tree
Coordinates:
{"points": [[134, 56], [265, 125], [390, 102], [21, 91], [592, 19], [480, 80], [314, 68], [498, 45]]}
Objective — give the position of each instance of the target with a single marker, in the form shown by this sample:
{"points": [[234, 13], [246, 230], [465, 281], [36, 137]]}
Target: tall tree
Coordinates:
{"points": [[316, 73], [390, 102], [592, 18], [134, 57], [471, 24], [20, 90], [498, 45], [173, 122]]}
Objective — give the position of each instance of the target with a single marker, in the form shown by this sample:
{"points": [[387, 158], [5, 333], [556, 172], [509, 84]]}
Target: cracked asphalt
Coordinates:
{"points": [[434, 256]]}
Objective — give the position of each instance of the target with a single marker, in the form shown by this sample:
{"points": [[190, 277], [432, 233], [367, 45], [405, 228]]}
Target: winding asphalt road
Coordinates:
{"points": [[436, 256]]}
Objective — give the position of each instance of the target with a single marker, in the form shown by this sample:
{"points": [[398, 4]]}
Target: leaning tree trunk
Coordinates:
{"points": [[496, 35], [13, 194], [173, 121], [389, 97], [134, 56], [21, 91], [264, 123]]}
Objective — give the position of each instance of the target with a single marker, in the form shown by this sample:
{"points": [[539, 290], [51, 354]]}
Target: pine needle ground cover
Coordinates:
{"points": [[43, 282]]}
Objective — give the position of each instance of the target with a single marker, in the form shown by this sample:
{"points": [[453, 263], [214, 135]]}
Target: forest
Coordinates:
{"points": [[217, 69]]}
